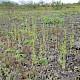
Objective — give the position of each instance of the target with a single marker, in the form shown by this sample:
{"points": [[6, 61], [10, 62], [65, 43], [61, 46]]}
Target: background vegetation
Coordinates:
{"points": [[39, 6]]}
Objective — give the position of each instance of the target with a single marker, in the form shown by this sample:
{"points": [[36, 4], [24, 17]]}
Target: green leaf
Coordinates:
{"points": [[44, 61], [30, 42], [35, 61], [20, 57], [1, 45]]}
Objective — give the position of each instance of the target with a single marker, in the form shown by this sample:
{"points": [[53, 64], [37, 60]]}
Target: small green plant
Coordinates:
{"points": [[35, 61], [28, 42], [1, 45], [10, 50], [43, 61], [62, 57], [20, 57], [23, 27]]}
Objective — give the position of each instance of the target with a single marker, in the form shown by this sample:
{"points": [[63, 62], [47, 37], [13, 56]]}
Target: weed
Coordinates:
{"points": [[1, 45], [20, 57], [63, 52]]}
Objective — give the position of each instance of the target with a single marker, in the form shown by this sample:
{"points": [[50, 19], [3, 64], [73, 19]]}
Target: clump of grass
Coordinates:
{"points": [[63, 52], [62, 57]]}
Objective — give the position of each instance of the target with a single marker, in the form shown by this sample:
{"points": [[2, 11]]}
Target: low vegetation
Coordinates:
{"points": [[40, 44]]}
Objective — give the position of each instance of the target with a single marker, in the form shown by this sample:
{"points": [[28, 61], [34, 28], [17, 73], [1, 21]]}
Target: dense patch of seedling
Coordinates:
{"points": [[52, 20]]}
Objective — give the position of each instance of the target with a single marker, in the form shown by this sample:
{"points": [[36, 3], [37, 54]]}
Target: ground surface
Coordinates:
{"points": [[37, 45]]}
